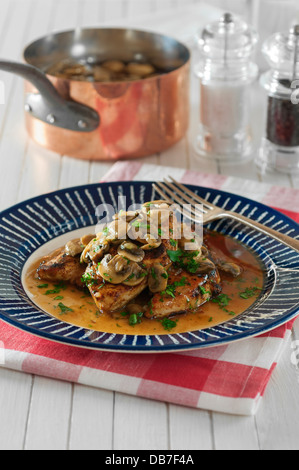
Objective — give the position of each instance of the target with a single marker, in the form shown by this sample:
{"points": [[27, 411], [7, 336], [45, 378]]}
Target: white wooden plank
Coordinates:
{"points": [[12, 149], [40, 171], [137, 8], [139, 424], [238, 7], [176, 156], [278, 415], [66, 15], [92, 419], [15, 19], [73, 172], [92, 13], [98, 171], [234, 432], [295, 181], [114, 10], [15, 393], [49, 415], [190, 429]]}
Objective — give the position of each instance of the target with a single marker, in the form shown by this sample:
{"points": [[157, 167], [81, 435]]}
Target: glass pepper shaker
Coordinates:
{"points": [[226, 71], [280, 144]]}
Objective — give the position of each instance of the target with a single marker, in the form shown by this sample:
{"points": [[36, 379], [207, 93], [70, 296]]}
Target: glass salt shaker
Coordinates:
{"points": [[280, 144], [226, 71]]}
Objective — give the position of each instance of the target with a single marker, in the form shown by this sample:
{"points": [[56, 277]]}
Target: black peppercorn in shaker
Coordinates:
{"points": [[280, 145]]}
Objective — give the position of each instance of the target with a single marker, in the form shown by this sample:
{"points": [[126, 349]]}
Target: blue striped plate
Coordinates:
{"points": [[32, 227]]}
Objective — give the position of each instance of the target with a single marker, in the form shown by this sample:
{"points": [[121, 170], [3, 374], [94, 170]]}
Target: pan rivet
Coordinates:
{"points": [[51, 118], [28, 108], [82, 124]]}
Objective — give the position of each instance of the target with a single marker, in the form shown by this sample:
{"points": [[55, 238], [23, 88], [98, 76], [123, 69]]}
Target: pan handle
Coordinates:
{"points": [[48, 105]]}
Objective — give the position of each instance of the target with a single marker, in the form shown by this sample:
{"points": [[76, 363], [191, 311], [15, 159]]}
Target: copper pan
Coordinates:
{"points": [[105, 120]]}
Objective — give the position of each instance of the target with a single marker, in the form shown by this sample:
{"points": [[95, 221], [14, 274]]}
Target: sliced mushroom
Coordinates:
{"points": [[131, 251], [116, 231], [114, 65], [151, 243], [140, 69], [86, 239], [74, 247], [205, 266], [115, 270], [127, 216], [137, 275], [95, 250], [229, 267], [158, 278], [195, 263], [101, 74]]}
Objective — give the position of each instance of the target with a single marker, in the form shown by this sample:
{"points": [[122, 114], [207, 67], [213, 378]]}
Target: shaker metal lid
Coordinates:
{"points": [[228, 38]]}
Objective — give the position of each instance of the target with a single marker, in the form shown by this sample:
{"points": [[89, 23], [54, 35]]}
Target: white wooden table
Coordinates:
{"points": [[41, 413]]}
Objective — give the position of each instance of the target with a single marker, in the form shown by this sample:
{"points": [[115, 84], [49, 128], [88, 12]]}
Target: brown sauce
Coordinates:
{"points": [[77, 307]]}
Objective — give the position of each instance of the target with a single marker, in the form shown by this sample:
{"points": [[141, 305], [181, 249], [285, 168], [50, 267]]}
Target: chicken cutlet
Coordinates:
{"points": [[60, 266], [184, 292]]}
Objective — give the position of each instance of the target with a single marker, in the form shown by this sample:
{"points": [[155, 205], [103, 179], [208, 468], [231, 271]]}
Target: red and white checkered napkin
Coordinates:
{"points": [[228, 378]]}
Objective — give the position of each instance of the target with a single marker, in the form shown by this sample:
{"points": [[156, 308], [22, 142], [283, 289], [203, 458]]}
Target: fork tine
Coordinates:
{"points": [[185, 198], [192, 213], [161, 193], [205, 203]]}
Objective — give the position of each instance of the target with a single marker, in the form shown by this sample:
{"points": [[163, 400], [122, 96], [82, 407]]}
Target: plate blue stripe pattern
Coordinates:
{"points": [[29, 225]]}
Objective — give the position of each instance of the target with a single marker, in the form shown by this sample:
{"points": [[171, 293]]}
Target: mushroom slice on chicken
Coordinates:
{"points": [[158, 278], [95, 250], [131, 251], [115, 269]]}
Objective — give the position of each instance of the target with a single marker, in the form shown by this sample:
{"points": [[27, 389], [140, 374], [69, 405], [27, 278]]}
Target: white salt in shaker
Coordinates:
{"points": [[226, 72]]}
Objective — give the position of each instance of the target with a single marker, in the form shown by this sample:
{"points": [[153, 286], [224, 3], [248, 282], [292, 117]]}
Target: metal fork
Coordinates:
{"points": [[175, 192]]}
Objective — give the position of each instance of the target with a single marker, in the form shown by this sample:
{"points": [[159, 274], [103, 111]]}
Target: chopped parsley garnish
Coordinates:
{"points": [[249, 292], [171, 288], [173, 242], [223, 300], [203, 290], [138, 224], [43, 286], [175, 255], [57, 289], [153, 273], [88, 279], [168, 324], [185, 260], [135, 318], [64, 308]]}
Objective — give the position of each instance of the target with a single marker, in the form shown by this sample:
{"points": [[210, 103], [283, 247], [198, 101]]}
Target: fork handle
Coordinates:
{"points": [[281, 237]]}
